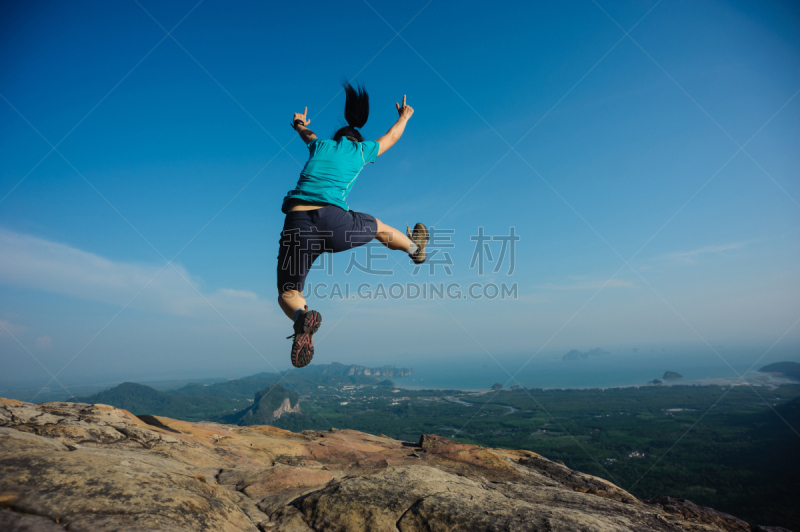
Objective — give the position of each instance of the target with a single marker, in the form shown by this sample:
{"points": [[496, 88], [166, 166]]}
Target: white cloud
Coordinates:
{"points": [[7, 327], [589, 285], [44, 342], [245, 294], [32, 262], [694, 254]]}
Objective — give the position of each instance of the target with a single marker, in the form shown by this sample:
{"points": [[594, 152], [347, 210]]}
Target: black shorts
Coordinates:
{"points": [[308, 234]]}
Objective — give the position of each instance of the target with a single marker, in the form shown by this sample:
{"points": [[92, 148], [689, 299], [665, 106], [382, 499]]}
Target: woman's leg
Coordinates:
{"points": [[290, 301], [306, 324], [391, 237]]}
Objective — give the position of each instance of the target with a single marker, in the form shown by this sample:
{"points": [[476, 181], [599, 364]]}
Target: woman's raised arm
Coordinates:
{"points": [[396, 131], [299, 123]]}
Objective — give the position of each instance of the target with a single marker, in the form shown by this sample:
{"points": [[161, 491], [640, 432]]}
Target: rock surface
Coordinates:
{"points": [[80, 467]]}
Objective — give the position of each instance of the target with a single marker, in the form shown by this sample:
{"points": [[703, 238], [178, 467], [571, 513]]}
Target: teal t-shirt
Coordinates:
{"points": [[331, 171]]}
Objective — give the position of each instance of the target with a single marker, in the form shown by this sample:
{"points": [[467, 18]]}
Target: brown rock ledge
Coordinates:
{"points": [[79, 467]]}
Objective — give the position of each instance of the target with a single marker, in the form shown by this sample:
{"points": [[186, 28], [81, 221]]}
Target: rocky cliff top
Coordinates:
{"points": [[80, 467]]}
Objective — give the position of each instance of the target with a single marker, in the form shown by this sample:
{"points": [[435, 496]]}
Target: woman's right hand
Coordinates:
{"points": [[405, 111], [301, 116]]}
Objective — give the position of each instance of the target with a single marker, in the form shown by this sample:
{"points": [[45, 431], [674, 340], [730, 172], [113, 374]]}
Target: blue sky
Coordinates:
{"points": [[653, 179]]}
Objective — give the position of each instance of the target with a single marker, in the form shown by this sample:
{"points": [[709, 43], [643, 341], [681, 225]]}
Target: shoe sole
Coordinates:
{"points": [[303, 344], [421, 254]]}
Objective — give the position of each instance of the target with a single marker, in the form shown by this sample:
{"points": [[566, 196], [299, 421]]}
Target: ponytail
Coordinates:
{"points": [[356, 112]]}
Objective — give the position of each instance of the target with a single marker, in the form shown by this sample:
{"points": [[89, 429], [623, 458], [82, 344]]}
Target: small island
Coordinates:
{"points": [[786, 369], [671, 376], [574, 355], [579, 355]]}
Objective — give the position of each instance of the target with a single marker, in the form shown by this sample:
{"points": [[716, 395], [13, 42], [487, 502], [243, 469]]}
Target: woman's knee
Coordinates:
{"points": [[288, 295], [383, 230]]}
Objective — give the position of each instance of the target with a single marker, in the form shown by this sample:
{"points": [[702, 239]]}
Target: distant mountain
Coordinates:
{"points": [[269, 405], [342, 370], [578, 355], [302, 381], [242, 389], [788, 369], [136, 398], [671, 375], [140, 400], [226, 401]]}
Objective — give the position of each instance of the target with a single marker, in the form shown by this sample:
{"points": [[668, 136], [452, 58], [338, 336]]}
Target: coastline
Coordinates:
{"points": [[769, 380]]}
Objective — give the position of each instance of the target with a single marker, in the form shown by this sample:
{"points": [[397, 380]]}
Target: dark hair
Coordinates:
{"points": [[356, 112]]}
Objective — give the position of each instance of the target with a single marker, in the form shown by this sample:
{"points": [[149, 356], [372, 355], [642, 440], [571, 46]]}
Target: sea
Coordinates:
{"points": [[737, 365]]}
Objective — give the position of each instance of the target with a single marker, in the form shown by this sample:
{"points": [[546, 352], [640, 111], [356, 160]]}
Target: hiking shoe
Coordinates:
{"points": [[305, 326], [420, 238]]}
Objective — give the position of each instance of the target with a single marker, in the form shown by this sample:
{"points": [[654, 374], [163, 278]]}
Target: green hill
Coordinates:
{"points": [[789, 369], [225, 401], [242, 389], [144, 400], [269, 404]]}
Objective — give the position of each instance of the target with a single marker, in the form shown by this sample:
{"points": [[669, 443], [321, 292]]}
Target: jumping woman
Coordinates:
{"points": [[317, 216]]}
